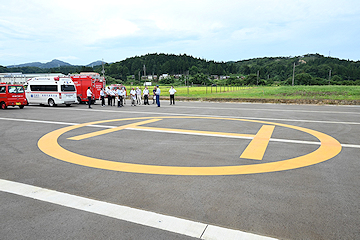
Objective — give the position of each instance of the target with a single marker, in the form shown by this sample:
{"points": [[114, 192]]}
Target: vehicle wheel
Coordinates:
{"points": [[68, 105], [92, 102], [51, 103], [21, 107], [3, 105], [79, 100]]}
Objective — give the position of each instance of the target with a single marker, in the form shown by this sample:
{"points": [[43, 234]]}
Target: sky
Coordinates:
{"points": [[80, 32]]}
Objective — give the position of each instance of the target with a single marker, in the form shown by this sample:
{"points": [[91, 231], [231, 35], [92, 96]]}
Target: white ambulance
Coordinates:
{"points": [[50, 91]]}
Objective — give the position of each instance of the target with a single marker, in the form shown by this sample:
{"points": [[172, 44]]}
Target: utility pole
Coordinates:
{"points": [[293, 78], [103, 70], [257, 78], [329, 76]]}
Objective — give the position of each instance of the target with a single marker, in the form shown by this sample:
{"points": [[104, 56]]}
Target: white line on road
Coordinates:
{"points": [[204, 115], [188, 133], [146, 218]]}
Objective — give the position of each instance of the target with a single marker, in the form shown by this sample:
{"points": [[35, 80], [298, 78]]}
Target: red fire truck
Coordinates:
{"points": [[88, 79], [12, 95]]}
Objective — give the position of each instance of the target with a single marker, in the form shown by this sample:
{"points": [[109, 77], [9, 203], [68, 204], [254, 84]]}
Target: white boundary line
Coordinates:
{"points": [[198, 115], [146, 218], [188, 133]]}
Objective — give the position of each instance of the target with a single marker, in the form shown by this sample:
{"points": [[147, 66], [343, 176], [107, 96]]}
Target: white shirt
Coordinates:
{"points": [[88, 93], [132, 92], [123, 92], [158, 91], [102, 93], [146, 92], [172, 91]]}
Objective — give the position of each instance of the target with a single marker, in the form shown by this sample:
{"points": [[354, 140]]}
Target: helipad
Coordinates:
{"points": [[328, 148]]}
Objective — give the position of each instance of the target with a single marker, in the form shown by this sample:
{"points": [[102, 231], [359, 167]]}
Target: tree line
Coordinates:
{"points": [[310, 69]]}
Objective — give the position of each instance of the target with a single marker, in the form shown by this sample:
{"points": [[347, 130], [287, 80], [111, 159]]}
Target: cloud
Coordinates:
{"points": [[210, 28]]}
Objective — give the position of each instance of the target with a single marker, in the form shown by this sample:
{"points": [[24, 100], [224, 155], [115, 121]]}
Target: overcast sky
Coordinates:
{"points": [[80, 32]]}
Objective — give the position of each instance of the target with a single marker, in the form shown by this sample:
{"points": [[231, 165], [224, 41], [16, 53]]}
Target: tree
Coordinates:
{"points": [[200, 78]]}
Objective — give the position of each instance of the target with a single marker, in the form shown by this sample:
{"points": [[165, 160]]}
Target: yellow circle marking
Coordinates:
{"points": [[329, 148]]}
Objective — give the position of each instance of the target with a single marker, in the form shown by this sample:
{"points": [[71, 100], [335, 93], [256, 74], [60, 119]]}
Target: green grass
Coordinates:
{"points": [[281, 92]]}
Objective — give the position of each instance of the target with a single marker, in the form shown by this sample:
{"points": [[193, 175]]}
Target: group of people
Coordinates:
{"points": [[119, 95]]}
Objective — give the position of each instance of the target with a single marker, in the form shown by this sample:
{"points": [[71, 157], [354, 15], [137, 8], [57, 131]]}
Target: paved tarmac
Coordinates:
{"points": [[269, 170]]}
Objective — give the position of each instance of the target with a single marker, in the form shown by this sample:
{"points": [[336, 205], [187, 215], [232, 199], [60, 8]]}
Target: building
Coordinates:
{"points": [[20, 78]]}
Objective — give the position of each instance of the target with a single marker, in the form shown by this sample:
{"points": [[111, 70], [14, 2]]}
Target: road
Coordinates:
{"points": [[189, 171]]}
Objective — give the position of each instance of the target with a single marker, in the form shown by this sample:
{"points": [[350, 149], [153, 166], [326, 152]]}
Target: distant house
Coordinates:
{"points": [[164, 76], [224, 77]]}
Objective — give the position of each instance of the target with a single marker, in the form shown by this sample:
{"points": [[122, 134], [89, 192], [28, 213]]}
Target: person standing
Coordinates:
{"points": [[123, 95], [112, 95], [158, 92], [146, 96], [154, 95], [172, 92], [89, 96], [108, 96], [119, 97], [133, 97], [138, 96], [102, 97]]}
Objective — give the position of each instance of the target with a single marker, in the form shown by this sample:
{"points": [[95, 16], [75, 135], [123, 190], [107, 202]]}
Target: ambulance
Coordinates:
{"points": [[12, 95], [88, 79], [51, 91]]}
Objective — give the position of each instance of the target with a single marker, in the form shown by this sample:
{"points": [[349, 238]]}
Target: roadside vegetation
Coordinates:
{"points": [[347, 93]]}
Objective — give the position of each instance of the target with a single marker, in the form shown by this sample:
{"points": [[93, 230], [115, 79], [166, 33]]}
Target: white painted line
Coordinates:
{"points": [[146, 218], [188, 133], [197, 115]]}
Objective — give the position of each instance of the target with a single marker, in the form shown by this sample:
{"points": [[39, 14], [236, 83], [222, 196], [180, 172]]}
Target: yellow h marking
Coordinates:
{"points": [[256, 148]]}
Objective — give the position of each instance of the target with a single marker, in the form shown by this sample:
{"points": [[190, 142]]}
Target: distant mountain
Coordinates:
{"points": [[93, 64], [53, 64]]}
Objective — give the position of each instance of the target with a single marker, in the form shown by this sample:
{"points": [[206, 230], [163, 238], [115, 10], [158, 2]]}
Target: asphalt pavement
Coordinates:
{"points": [[252, 170]]}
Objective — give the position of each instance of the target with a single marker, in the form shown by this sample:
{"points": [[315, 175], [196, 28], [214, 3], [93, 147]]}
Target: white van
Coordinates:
{"points": [[51, 91]]}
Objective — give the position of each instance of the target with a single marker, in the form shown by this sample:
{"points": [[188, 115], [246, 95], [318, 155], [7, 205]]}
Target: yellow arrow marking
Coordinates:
{"points": [[93, 134], [256, 149]]}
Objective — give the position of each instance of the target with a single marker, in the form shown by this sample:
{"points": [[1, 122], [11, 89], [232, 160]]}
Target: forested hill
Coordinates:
{"points": [[310, 69]]}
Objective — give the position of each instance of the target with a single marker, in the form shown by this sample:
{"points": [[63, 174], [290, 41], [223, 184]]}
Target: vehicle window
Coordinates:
{"points": [[2, 89], [68, 88], [19, 89], [16, 89], [12, 89], [45, 88]]}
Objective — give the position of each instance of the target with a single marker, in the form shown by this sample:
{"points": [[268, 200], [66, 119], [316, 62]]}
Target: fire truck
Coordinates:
{"points": [[12, 95], [88, 79]]}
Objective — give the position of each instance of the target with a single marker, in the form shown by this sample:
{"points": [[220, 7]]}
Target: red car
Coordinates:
{"points": [[12, 95]]}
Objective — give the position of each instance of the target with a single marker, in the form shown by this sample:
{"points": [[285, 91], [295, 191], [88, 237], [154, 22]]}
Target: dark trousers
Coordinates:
{"points": [[102, 101], [120, 102], [172, 99], [158, 100], [109, 100], [89, 100], [146, 100]]}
